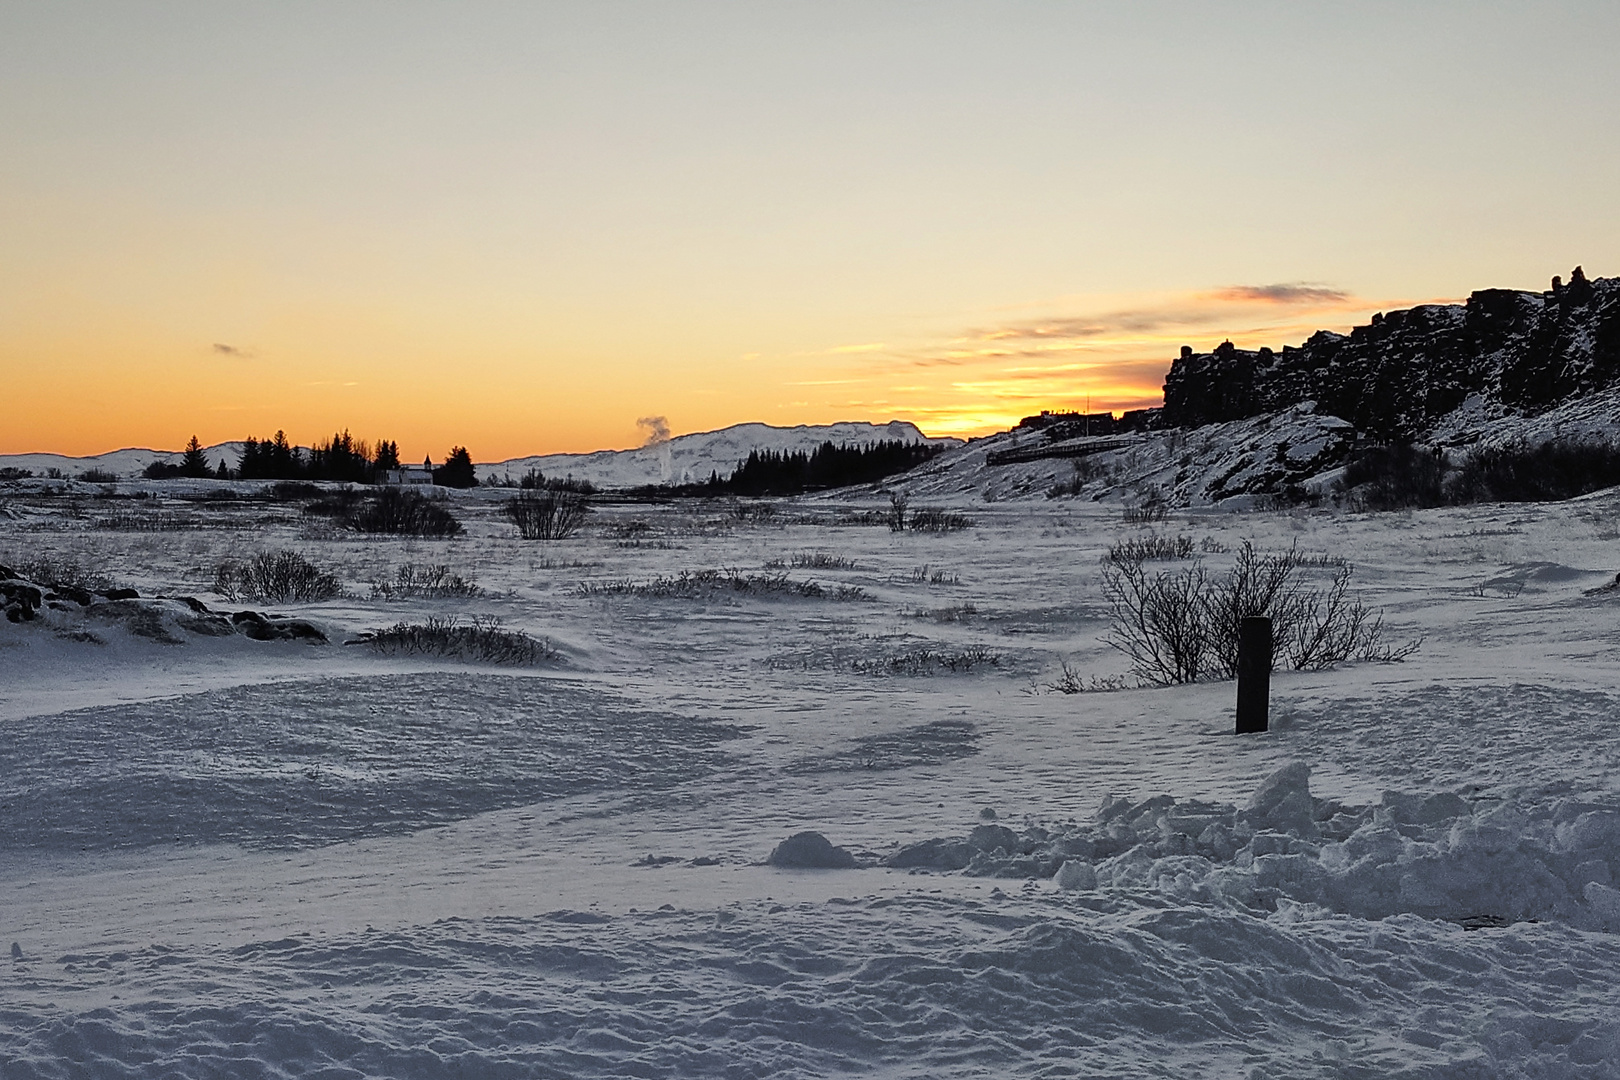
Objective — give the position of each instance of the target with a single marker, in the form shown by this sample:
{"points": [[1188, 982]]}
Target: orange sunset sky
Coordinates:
{"points": [[520, 227]]}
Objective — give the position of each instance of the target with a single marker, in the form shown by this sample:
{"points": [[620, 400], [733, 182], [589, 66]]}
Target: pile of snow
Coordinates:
{"points": [[1436, 855], [688, 459]]}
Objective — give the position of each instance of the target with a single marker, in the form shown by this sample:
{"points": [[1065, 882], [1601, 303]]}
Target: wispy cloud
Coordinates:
{"points": [[1298, 292], [222, 349]]}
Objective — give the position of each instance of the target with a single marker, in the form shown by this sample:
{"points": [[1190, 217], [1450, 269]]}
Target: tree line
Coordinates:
{"points": [[830, 465], [341, 458]]}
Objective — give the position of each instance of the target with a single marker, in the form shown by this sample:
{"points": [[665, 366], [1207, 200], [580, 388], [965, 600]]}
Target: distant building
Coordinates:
{"points": [[410, 474]]}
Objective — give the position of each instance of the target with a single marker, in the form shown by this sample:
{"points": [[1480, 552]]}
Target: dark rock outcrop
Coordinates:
{"points": [[1398, 375]]}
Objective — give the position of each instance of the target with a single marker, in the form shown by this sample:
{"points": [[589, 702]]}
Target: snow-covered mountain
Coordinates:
{"points": [[692, 458], [678, 460], [123, 464]]}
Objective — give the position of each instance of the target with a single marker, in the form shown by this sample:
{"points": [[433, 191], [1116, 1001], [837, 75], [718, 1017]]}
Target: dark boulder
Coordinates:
{"points": [[810, 851]]}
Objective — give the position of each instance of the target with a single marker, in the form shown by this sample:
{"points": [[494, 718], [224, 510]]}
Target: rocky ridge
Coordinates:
{"points": [[1406, 371]]}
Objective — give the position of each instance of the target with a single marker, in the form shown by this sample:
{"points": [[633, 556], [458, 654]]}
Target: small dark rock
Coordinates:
{"points": [[81, 597], [936, 854], [120, 594]]}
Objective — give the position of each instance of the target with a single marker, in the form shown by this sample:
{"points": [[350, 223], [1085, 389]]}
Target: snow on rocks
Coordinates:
{"points": [[78, 614], [1075, 874], [1200, 466]]}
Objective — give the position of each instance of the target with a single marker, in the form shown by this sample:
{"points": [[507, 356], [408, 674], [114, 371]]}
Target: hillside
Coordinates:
{"points": [[691, 458]]}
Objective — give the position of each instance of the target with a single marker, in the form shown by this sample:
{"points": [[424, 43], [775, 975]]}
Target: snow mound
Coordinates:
{"points": [[1433, 855]]}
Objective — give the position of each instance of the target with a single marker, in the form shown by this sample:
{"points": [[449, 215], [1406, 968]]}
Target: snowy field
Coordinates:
{"points": [[223, 857]]}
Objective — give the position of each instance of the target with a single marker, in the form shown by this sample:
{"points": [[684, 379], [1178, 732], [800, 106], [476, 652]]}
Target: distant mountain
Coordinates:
{"points": [[123, 464], [1503, 353], [692, 458], [684, 459]]}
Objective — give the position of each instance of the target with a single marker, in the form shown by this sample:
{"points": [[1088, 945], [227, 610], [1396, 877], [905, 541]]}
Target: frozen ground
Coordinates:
{"points": [[241, 858]]}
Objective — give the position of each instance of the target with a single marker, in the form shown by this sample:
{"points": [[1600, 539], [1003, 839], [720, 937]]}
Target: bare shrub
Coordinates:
{"points": [[60, 573], [1152, 546], [928, 660], [1150, 511], [397, 512], [1086, 469], [1071, 682], [930, 519], [922, 575], [275, 576], [754, 513], [1182, 626], [1394, 477], [820, 560], [1560, 468], [429, 582], [897, 512], [483, 639], [703, 584], [126, 520], [98, 476], [294, 491], [546, 513]]}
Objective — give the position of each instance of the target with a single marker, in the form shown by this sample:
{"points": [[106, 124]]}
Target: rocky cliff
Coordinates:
{"points": [[1396, 377]]}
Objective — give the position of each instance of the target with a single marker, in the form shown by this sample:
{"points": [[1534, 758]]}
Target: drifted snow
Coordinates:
{"points": [[227, 857]]}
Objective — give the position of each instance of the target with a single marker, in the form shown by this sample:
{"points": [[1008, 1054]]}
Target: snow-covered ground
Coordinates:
{"points": [[228, 857]]}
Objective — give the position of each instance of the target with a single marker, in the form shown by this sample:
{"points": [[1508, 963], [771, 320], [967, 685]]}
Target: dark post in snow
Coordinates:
{"points": [[1253, 673]]}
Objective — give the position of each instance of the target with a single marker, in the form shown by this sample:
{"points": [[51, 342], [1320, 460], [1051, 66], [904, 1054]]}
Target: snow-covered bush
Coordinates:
{"points": [[1182, 626]]}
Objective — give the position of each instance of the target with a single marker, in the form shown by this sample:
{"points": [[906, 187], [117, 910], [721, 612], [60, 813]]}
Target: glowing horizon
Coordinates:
{"points": [[521, 228]]}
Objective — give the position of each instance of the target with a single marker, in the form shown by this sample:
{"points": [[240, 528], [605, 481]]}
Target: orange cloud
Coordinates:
{"points": [[988, 376]]}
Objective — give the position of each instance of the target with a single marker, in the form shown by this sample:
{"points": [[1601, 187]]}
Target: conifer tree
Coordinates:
{"points": [[193, 463]]}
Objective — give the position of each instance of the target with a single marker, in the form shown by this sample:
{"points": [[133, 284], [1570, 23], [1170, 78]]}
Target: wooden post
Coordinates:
{"points": [[1253, 673]]}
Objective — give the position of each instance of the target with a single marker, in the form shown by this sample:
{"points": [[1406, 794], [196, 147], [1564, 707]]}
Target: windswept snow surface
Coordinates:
{"points": [[225, 857]]}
